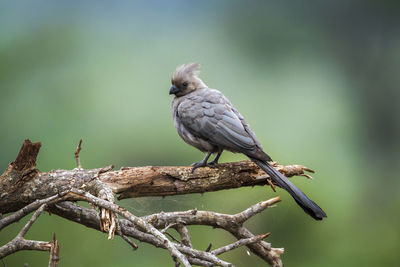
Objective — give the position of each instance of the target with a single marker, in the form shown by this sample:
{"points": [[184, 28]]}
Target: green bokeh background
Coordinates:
{"points": [[317, 81]]}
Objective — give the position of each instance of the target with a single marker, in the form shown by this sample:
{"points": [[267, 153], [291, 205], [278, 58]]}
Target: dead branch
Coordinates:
{"points": [[77, 150], [138, 222], [167, 180], [239, 243], [184, 234], [140, 181], [88, 218], [54, 253], [24, 189], [20, 243], [15, 217]]}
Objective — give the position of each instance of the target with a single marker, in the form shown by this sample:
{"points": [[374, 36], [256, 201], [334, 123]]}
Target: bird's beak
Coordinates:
{"points": [[173, 90]]}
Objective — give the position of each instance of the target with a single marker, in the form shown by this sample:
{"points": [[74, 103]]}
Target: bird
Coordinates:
{"points": [[205, 119]]}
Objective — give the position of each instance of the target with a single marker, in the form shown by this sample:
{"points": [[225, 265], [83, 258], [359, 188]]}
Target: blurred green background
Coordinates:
{"points": [[317, 81]]}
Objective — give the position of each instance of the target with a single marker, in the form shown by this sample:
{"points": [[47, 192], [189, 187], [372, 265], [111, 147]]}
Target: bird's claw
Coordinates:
{"points": [[212, 164], [198, 164]]}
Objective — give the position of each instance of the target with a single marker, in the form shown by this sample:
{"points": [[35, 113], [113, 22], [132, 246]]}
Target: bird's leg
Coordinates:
{"points": [[202, 163], [214, 163]]}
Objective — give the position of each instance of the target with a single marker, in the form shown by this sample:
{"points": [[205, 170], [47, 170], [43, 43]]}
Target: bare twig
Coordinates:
{"points": [[253, 210], [167, 227], [270, 182], [204, 256], [108, 220], [29, 208], [106, 169], [199, 262], [184, 233], [127, 240], [54, 252], [239, 243], [28, 225], [77, 150], [20, 243], [124, 237]]}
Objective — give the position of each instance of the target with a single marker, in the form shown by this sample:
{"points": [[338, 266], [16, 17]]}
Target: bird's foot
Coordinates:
{"points": [[212, 164], [198, 164]]}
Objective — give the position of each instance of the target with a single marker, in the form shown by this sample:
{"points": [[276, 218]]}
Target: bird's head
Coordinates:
{"points": [[185, 80]]}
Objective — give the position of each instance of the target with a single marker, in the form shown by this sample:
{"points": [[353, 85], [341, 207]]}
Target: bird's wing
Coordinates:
{"points": [[209, 115]]}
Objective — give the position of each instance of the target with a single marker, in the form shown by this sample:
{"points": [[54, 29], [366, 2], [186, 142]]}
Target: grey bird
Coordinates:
{"points": [[206, 119]]}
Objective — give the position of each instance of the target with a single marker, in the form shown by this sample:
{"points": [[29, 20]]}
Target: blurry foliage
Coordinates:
{"points": [[317, 81]]}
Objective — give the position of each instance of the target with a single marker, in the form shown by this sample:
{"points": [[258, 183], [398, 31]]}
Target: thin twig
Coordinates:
{"points": [[106, 169], [199, 262], [167, 227], [184, 233], [28, 225], [19, 243], [127, 240], [205, 256], [172, 237], [269, 181], [253, 210], [77, 150], [196, 261], [54, 252], [29, 208], [124, 237], [239, 243]]}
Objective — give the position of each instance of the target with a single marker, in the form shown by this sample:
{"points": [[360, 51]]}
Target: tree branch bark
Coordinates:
{"points": [[24, 189]]}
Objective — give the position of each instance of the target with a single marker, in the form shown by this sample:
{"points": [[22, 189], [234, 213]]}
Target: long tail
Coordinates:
{"points": [[302, 200]]}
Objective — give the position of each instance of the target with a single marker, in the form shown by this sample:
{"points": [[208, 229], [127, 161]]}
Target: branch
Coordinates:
{"points": [[24, 189], [88, 218], [54, 253], [239, 243], [20, 243], [127, 182], [230, 223], [77, 159], [15, 217], [148, 228], [184, 234], [166, 180]]}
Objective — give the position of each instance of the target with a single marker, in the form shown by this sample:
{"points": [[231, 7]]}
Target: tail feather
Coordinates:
{"points": [[302, 200]]}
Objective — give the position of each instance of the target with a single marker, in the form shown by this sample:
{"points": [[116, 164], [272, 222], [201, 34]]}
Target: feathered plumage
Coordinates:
{"points": [[206, 119]]}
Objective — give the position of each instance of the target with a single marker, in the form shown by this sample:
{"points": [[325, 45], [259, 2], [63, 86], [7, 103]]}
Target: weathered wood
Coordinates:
{"points": [[17, 173], [23, 188], [174, 180], [136, 181]]}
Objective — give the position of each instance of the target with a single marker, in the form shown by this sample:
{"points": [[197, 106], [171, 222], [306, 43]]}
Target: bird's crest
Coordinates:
{"points": [[186, 71]]}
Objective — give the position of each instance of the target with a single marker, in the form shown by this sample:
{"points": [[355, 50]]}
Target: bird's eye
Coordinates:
{"points": [[185, 84]]}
